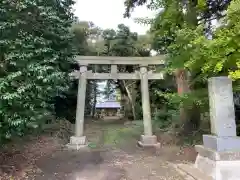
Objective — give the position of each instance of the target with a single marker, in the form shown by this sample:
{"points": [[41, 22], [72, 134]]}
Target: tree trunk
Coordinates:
{"points": [[95, 85], [131, 97], [183, 88], [128, 103], [190, 117], [95, 98], [182, 81]]}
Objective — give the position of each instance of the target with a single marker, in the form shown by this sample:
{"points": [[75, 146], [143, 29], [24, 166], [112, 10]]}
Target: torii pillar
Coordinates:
{"points": [[148, 139], [79, 140]]}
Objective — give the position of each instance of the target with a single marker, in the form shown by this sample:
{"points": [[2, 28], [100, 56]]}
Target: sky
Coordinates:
{"points": [[109, 13]]}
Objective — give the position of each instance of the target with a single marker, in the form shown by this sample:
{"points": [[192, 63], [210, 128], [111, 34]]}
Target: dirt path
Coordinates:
{"points": [[106, 165], [119, 161]]}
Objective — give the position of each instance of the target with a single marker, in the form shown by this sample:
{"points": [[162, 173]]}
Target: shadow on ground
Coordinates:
{"points": [[76, 165]]}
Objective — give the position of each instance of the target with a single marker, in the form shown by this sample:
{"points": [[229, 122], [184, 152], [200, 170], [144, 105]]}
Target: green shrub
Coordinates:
{"points": [[34, 65], [165, 119]]}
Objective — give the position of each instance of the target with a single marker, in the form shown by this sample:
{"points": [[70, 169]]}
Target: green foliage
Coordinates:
{"points": [[183, 30], [138, 109], [199, 98], [188, 47], [84, 33], [120, 42], [178, 31], [215, 57], [164, 119], [35, 52], [169, 116], [92, 145]]}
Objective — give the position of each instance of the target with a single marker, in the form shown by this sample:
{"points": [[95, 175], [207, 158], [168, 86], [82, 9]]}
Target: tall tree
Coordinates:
{"points": [[173, 29], [86, 34], [123, 42]]}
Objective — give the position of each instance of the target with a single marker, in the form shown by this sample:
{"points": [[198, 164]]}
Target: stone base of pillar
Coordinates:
{"points": [[148, 141], [77, 143], [217, 165], [221, 143]]}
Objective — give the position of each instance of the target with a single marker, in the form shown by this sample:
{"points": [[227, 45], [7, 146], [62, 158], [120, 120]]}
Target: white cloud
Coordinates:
{"points": [[109, 13]]}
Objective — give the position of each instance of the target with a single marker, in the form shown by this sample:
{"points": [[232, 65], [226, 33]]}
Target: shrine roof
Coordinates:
{"points": [[109, 104]]}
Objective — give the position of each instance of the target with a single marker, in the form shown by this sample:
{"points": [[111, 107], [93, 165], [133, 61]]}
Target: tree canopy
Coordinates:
{"points": [[182, 30]]}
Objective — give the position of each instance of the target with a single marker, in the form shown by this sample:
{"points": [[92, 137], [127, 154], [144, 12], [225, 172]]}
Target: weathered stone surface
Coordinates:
{"points": [[148, 141], [78, 140], [116, 60], [112, 75], [218, 170], [217, 156], [221, 106], [77, 143], [193, 172], [82, 85], [114, 69], [123, 76], [76, 146], [145, 102], [221, 143]]}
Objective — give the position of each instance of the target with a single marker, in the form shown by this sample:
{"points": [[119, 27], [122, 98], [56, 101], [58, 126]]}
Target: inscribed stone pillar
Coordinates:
{"points": [[81, 102], [145, 101], [222, 116], [221, 107], [219, 156]]}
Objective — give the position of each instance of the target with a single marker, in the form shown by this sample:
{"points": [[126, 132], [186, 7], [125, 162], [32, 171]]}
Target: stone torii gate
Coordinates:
{"points": [[148, 139]]}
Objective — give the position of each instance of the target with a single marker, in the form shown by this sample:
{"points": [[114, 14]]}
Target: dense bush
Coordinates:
{"points": [[35, 52], [163, 119]]}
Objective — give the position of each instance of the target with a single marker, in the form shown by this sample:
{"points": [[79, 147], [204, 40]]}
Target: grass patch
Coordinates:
{"points": [[122, 134], [92, 145]]}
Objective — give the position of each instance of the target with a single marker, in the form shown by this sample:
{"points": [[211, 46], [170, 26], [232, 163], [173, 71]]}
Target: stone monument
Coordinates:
{"points": [[219, 156]]}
